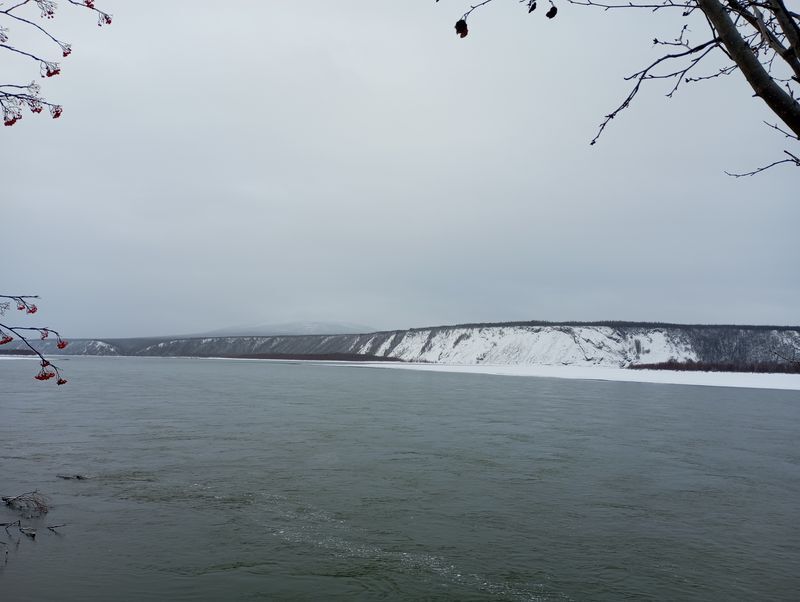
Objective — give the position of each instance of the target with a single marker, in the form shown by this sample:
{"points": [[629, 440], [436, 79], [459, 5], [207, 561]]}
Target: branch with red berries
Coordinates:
{"points": [[16, 97], [24, 303]]}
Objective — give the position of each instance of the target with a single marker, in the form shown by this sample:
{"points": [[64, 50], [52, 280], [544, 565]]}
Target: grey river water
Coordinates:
{"points": [[233, 480]]}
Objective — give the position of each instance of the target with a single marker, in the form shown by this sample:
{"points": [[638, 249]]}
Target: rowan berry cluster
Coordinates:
{"points": [[24, 303], [13, 114], [60, 343], [49, 69], [48, 8], [12, 101], [28, 308], [47, 372]]}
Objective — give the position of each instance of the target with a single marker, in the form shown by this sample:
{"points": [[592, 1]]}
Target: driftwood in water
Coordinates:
{"points": [[29, 531], [69, 477], [30, 504]]}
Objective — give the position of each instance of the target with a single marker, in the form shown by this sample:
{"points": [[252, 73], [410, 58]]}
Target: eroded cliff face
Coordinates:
{"points": [[602, 346], [582, 345]]}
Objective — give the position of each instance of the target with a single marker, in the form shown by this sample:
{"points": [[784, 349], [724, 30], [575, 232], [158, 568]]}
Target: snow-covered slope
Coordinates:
{"points": [[609, 344], [75, 347], [576, 345], [549, 345]]}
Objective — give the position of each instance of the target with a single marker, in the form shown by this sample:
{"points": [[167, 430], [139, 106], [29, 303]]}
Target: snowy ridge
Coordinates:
{"points": [[528, 345], [611, 345], [75, 347]]}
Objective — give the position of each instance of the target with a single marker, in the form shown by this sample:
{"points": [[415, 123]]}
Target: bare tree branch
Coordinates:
{"points": [[792, 159], [776, 127], [645, 74], [12, 104], [23, 303], [751, 34]]}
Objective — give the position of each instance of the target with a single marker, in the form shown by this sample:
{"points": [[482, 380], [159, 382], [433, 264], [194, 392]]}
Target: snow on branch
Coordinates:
{"points": [[15, 97], [8, 333]]}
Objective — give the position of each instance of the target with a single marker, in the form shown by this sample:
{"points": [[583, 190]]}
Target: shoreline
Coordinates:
{"points": [[739, 380]]}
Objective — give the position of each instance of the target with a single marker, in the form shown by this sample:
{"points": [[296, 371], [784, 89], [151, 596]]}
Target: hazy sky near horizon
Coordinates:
{"points": [[235, 163]]}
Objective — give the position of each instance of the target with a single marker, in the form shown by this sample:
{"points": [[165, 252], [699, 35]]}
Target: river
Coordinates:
{"points": [[254, 480]]}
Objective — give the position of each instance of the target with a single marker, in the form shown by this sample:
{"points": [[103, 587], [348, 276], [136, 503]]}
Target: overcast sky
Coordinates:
{"points": [[250, 162]]}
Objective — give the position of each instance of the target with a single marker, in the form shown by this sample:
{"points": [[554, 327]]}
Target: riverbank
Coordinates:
{"points": [[746, 380], [743, 380]]}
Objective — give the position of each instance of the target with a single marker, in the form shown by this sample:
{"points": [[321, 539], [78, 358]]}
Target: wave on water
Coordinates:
{"points": [[309, 526]]}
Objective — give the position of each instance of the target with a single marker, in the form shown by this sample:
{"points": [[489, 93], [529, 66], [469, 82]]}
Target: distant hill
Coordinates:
{"points": [[618, 344], [288, 328]]}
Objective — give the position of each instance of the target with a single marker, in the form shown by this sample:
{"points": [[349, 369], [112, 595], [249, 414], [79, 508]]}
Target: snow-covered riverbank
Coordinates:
{"points": [[787, 382], [711, 379]]}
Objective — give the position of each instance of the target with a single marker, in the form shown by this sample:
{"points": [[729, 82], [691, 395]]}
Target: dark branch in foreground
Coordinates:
{"points": [[647, 74], [759, 38], [24, 303]]}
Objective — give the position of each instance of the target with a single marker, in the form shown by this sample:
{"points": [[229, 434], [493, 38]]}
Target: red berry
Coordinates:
{"points": [[44, 375]]}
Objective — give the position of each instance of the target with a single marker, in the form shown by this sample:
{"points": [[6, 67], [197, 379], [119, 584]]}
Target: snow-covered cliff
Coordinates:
{"points": [[563, 345], [601, 344]]}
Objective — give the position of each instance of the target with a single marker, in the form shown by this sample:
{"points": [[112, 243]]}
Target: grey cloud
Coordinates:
{"points": [[357, 162]]}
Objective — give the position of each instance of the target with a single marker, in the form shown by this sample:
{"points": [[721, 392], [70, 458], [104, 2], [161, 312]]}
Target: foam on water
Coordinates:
{"points": [[319, 529]]}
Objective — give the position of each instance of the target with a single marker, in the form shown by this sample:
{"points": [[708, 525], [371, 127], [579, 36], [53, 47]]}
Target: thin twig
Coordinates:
{"points": [[792, 159]]}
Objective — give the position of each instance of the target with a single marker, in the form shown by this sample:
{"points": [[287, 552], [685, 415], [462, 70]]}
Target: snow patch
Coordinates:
{"points": [[745, 380], [528, 345]]}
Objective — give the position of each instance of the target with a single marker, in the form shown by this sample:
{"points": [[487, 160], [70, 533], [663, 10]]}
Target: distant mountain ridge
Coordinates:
{"points": [[617, 344], [288, 328]]}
